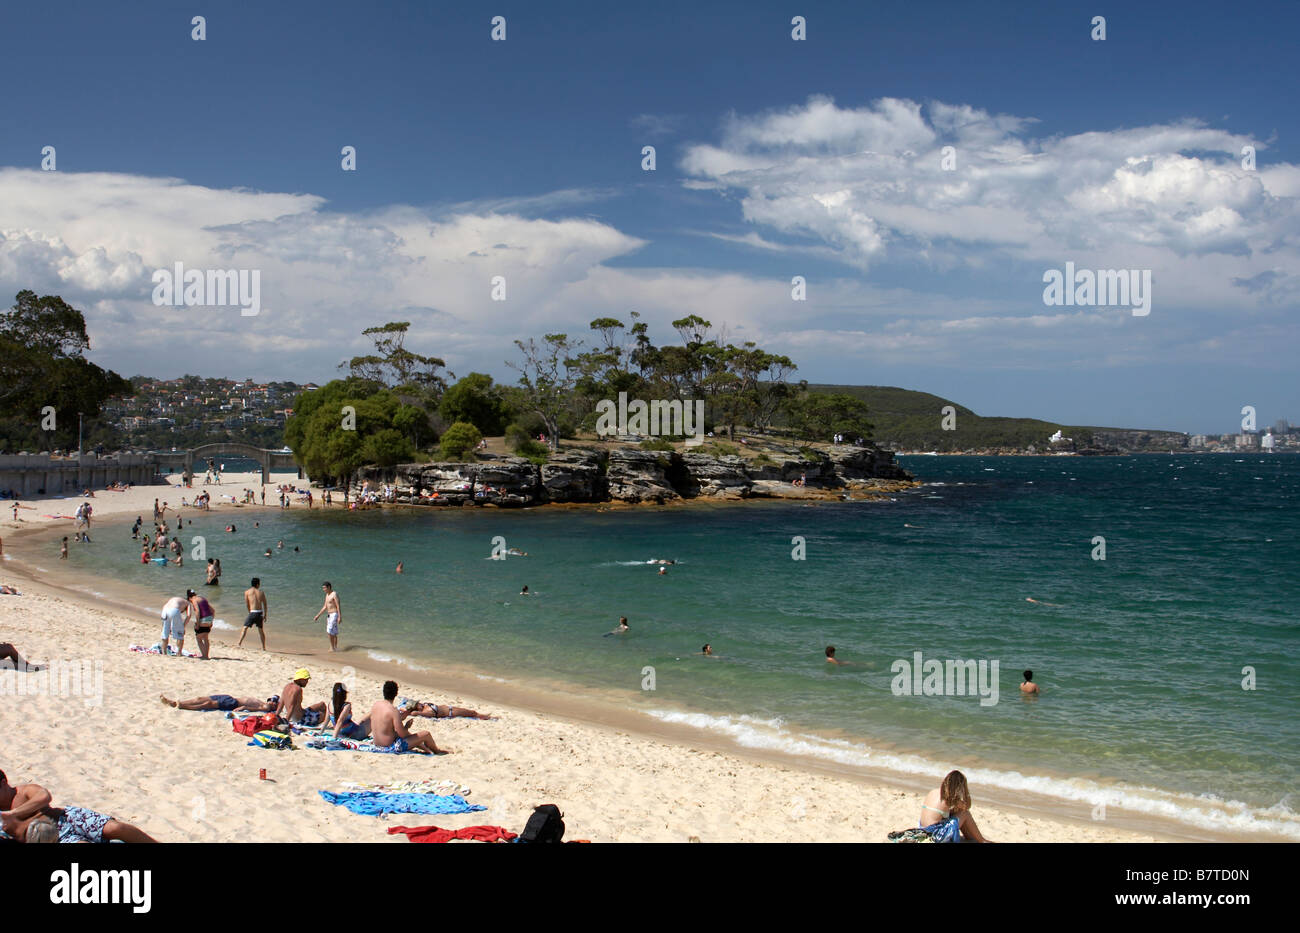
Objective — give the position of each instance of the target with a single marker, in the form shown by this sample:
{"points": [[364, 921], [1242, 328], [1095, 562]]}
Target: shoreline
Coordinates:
{"points": [[612, 719]]}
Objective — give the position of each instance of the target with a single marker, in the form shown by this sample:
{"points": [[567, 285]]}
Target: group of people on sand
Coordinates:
{"points": [[387, 724]]}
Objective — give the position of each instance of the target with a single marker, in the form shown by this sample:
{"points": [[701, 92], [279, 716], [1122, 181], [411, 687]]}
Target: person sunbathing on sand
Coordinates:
{"points": [[434, 711], [290, 707], [10, 659], [225, 703], [390, 730], [26, 815], [7, 590], [945, 812]]}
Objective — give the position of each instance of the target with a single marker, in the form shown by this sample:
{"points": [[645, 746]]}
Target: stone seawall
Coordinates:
{"points": [[42, 474]]}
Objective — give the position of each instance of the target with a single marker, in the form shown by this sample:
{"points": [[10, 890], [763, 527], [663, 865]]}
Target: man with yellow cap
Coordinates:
{"points": [[291, 708]]}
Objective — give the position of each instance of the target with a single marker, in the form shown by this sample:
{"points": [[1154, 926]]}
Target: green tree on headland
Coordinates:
{"points": [[42, 341], [819, 416], [347, 423], [395, 367], [459, 441], [475, 399]]}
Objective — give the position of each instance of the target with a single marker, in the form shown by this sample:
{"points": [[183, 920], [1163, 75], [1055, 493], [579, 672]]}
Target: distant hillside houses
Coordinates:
{"points": [[203, 408]]}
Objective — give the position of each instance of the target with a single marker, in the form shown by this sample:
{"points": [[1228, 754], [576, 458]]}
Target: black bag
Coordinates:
{"points": [[545, 825]]}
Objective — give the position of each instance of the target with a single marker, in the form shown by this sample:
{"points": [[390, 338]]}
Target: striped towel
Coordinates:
{"points": [[371, 804]]}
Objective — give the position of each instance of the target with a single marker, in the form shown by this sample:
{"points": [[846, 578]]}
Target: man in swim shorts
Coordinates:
{"points": [[225, 703], [176, 612], [334, 615], [255, 600], [26, 814], [290, 707], [389, 728]]}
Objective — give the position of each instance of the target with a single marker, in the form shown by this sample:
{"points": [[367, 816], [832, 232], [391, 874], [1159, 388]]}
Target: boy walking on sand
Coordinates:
{"points": [[334, 617]]}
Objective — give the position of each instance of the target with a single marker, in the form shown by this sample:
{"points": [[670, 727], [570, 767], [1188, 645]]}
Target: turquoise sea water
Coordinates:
{"points": [[1140, 661]]}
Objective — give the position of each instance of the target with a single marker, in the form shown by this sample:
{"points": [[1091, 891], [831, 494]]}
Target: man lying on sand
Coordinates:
{"points": [[390, 730], [408, 707], [26, 815], [225, 703], [290, 707]]}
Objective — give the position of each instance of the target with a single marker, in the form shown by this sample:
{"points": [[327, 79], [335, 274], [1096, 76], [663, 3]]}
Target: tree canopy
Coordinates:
{"points": [[42, 366]]}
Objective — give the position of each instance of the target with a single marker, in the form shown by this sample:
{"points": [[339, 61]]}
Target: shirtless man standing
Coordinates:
{"points": [[290, 707], [255, 600], [176, 613], [334, 615], [390, 731]]}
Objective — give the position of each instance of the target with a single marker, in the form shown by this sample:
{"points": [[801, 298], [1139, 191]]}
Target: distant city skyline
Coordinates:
{"points": [[924, 170]]}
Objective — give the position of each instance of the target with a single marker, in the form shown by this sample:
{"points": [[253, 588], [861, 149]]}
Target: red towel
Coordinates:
{"points": [[434, 834]]}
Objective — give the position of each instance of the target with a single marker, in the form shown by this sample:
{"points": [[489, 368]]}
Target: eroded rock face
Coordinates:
{"points": [[634, 475], [573, 477], [639, 475], [716, 477], [865, 463]]}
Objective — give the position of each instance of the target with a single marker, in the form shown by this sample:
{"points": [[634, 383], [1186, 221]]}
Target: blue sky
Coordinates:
{"points": [[775, 158]]}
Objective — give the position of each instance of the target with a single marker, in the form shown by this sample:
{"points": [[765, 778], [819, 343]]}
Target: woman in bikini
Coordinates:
{"points": [[945, 813], [344, 727], [204, 614]]}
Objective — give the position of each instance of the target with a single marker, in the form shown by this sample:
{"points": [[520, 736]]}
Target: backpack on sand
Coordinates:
{"points": [[545, 825]]}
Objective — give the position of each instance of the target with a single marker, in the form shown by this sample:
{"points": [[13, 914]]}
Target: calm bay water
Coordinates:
{"points": [[1140, 661]]}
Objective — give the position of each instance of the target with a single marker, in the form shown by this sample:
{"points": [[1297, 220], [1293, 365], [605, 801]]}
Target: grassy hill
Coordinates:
{"points": [[905, 419]]}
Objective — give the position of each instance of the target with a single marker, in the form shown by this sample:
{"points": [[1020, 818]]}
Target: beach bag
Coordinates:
{"points": [[911, 835], [269, 739], [545, 825]]}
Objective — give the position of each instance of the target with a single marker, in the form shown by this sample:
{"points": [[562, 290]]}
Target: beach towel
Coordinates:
{"points": [[948, 830], [371, 804], [429, 786], [914, 834], [268, 739], [156, 648], [434, 834], [365, 745]]}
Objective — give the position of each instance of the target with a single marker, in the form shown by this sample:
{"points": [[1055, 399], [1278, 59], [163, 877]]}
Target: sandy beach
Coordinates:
{"points": [[186, 776]]}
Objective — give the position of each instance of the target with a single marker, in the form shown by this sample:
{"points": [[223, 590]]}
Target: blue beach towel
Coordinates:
{"points": [[948, 830], [370, 803]]}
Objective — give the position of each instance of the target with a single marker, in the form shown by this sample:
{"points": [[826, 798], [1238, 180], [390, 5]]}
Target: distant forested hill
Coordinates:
{"points": [[905, 419]]}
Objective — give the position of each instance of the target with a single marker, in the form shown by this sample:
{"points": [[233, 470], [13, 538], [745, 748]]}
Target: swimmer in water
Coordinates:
{"points": [[906, 525], [622, 627], [1039, 602], [524, 591], [399, 566], [707, 651], [831, 659], [1029, 688], [663, 571]]}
